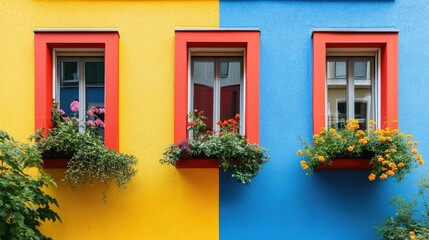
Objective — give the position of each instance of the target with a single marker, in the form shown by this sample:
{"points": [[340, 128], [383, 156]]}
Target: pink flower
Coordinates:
{"points": [[100, 111], [66, 118], [90, 123], [74, 106], [60, 111], [99, 122], [91, 111]]}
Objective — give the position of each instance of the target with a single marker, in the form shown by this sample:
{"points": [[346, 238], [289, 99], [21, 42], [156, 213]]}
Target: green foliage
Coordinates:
{"points": [[392, 152], [24, 206], [232, 150], [93, 161], [90, 159], [404, 224]]}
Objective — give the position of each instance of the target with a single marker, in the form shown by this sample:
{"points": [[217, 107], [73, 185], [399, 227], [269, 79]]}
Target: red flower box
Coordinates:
{"points": [[55, 162], [198, 163], [347, 164]]}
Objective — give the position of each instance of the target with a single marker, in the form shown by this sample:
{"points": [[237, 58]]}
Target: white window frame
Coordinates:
{"points": [[221, 54], [81, 55], [376, 84]]}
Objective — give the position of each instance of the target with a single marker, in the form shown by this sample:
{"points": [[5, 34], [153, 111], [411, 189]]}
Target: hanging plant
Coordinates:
{"points": [[90, 160]]}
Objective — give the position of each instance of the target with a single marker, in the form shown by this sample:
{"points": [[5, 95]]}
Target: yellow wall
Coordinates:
{"points": [[161, 202]]}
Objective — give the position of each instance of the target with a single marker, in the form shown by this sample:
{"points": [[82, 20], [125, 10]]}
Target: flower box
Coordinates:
{"points": [[347, 164], [198, 163], [55, 162]]}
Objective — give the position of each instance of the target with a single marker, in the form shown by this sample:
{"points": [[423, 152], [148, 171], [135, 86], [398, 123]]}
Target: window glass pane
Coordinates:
{"points": [[363, 72], [69, 85], [340, 69], [360, 70], [363, 105], [363, 91], [337, 106], [202, 78], [94, 87], [230, 94], [69, 73], [336, 72], [94, 73]]}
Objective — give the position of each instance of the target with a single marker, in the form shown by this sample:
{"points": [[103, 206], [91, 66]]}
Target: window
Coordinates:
{"points": [[351, 90], [78, 65], [217, 88], [217, 71], [79, 79], [359, 85]]}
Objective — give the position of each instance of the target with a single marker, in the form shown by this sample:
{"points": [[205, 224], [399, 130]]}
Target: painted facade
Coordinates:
{"points": [[166, 203]]}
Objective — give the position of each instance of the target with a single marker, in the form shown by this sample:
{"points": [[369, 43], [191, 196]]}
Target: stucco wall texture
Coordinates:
{"points": [[282, 202], [165, 203], [160, 202]]}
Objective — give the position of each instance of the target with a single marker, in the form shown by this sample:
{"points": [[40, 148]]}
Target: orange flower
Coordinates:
{"points": [[372, 177], [321, 159], [414, 151], [304, 164], [299, 152], [401, 164], [350, 148], [383, 176], [412, 235], [390, 173], [237, 116]]}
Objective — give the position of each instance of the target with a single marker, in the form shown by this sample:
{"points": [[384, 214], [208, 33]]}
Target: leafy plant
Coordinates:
{"points": [[392, 152], [24, 206], [90, 159], [404, 224], [232, 150]]}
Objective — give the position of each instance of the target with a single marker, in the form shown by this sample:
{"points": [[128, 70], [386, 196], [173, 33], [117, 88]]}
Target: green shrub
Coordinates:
{"points": [[23, 204], [404, 224]]}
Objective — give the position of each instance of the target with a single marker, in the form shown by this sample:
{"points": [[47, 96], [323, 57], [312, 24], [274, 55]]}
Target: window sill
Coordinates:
{"points": [[57, 162], [347, 164], [198, 163]]}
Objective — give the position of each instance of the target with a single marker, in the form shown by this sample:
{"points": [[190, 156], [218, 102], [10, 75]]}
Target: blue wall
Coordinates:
{"points": [[282, 202]]}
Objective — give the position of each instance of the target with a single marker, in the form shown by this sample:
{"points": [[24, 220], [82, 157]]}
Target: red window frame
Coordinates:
{"points": [[387, 42], [45, 42], [247, 39]]}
